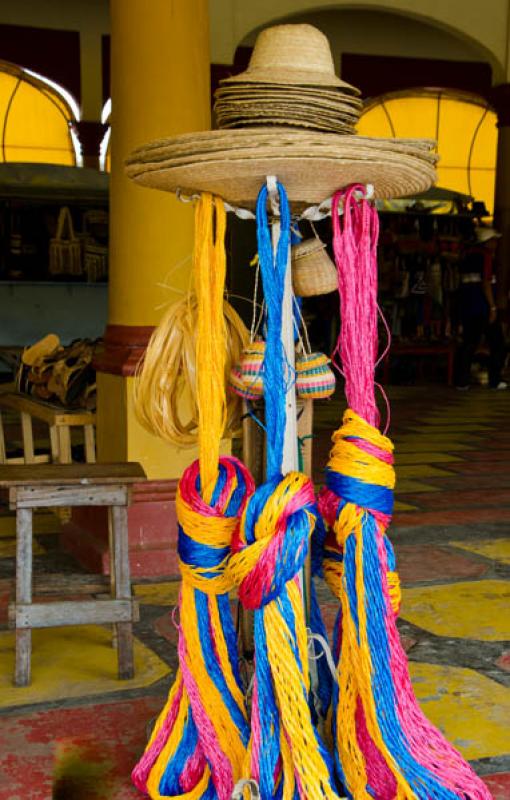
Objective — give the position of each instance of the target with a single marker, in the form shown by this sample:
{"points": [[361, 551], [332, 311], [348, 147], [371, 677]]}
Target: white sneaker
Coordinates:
{"points": [[501, 386], [463, 388]]}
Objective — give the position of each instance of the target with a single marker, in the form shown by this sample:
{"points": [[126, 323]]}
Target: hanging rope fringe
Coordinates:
{"points": [[385, 747], [287, 756], [198, 746]]}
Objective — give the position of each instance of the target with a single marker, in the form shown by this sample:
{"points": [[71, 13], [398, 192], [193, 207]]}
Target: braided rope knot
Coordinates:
{"points": [[206, 530], [360, 479], [272, 541]]}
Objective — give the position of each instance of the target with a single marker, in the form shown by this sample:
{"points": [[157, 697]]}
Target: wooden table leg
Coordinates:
{"points": [[55, 453], [28, 438], [90, 444], [23, 593], [122, 583], [64, 445], [3, 454]]}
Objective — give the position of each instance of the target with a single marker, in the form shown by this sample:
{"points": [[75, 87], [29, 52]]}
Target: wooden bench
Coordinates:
{"points": [[49, 486], [60, 422]]}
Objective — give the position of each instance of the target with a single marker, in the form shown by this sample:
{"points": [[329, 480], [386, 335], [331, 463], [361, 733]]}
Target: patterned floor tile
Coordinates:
{"points": [[87, 752], [499, 785], [420, 471], [468, 610], [408, 486], [73, 662], [8, 548], [416, 563], [498, 549], [158, 594], [470, 709], [424, 458]]}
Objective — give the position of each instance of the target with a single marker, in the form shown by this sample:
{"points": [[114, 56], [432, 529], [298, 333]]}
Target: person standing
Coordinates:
{"points": [[478, 312]]}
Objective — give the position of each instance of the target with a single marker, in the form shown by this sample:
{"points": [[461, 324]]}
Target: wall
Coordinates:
{"points": [[357, 31], [89, 17], [482, 27], [31, 310]]}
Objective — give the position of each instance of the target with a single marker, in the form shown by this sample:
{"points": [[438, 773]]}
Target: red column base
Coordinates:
{"points": [[152, 533]]}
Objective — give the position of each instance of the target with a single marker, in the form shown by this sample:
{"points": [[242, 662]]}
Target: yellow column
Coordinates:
{"points": [[160, 87]]}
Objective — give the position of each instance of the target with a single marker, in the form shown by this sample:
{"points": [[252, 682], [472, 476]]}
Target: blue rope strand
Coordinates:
{"points": [[273, 272]]}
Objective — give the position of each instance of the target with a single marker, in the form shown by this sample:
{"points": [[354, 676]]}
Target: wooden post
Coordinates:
{"points": [[23, 593], [122, 590], [28, 437]]}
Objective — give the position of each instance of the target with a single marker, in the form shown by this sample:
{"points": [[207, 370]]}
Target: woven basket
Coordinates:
{"points": [[313, 272], [65, 247]]}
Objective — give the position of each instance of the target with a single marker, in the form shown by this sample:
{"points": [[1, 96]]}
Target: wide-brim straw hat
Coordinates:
{"points": [[234, 164], [312, 164], [292, 54]]}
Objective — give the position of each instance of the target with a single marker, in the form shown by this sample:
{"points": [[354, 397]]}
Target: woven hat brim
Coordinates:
{"points": [[316, 95], [307, 180], [290, 77], [226, 142], [208, 141]]}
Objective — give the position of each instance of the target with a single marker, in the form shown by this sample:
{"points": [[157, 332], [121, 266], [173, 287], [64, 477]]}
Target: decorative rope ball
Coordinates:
{"points": [[314, 377], [246, 378]]}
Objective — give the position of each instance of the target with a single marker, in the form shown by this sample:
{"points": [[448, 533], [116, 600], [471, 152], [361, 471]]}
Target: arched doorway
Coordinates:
{"points": [[37, 119], [463, 125]]}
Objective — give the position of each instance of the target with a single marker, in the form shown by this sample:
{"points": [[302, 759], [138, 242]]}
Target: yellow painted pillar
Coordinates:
{"points": [[160, 86]]}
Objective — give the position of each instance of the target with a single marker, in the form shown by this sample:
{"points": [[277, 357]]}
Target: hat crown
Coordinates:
{"points": [[292, 47]]}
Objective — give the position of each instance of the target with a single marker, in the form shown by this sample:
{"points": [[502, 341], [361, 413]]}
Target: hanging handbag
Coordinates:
{"points": [[65, 248]]}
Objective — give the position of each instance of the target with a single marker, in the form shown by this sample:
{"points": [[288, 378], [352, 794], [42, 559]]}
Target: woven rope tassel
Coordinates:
{"points": [[385, 747], [198, 746]]}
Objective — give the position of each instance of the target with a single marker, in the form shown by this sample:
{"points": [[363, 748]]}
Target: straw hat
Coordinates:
{"points": [[305, 138], [291, 54]]}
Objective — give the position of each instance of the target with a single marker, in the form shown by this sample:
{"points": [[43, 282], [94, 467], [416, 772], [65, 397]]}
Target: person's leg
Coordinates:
{"points": [[496, 344], [472, 330]]}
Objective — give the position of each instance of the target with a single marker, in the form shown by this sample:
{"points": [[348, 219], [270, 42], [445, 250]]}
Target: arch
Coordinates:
{"points": [[105, 145], [464, 125], [487, 39], [37, 119]]}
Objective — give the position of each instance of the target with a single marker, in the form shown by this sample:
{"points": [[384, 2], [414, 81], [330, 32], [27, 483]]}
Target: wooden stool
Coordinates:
{"points": [[60, 422], [50, 486]]}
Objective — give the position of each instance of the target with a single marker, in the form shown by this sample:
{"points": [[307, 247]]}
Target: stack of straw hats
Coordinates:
{"points": [[277, 90], [312, 162]]}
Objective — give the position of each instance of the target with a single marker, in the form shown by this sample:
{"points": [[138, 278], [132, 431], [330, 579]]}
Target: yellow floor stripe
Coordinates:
{"points": [[8, 548], [470, 709], [424, 458], [73, 662], [158, 594], [406, 485], [423, 445], [467, 610], [498, 549], [420, 471], [399, 506], [43, 523]]}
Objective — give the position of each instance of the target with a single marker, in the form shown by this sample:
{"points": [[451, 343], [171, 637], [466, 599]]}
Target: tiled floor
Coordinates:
{"points": [[78, 729]]}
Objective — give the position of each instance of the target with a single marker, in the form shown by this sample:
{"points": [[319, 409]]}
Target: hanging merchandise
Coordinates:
{"points": [[287, 755], [198, 746], [385, 746], [313, 272], [166, 399], [209, 742], [65, 247]]}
